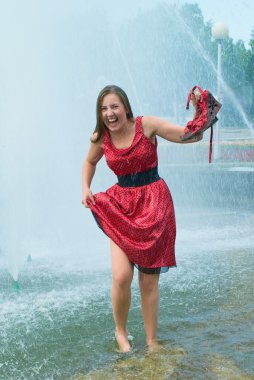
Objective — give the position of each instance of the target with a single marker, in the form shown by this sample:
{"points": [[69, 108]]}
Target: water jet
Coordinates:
{"points": [[15, 285]]}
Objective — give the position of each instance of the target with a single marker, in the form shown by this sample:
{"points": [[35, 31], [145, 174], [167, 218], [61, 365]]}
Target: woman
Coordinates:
{"points": [[137, 213]]}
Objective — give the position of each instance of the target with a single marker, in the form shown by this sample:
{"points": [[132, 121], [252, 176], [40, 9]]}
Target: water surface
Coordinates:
{"points": [[60, 326]]}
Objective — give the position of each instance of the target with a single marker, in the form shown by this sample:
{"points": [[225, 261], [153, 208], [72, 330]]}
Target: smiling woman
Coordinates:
{"points": [[137, 213], [116, 101], [114, 115]]}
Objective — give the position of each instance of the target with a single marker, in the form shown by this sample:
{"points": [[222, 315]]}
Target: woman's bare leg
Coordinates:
{"points": [[149, 290], [122, 275]]}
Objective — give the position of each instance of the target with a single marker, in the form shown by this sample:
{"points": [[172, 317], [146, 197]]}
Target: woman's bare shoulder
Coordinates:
{"points": [[149, 124], [94, 139], [95, 151]]}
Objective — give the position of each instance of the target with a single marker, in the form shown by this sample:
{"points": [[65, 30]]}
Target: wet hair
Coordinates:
{"points": [[111, 89]]}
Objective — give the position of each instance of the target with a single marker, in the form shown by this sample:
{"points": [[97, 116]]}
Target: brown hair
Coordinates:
{"points": [[111, 89]]}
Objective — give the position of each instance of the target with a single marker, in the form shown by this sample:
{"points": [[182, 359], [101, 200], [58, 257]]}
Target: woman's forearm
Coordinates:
{"points": [[88, 171], [94, 155]]}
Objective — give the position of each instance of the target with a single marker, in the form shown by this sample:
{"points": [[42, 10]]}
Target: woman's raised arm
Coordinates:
{"points": [[169, 131]]}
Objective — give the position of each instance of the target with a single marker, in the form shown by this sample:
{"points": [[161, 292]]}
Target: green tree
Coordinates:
{"points": [[169, 49]]}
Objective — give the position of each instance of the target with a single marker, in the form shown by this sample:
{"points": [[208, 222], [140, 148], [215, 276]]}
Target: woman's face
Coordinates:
{"points": [[113, 112]]}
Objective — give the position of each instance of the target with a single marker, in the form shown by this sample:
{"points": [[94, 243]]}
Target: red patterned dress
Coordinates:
{"points": [[137, 213]]}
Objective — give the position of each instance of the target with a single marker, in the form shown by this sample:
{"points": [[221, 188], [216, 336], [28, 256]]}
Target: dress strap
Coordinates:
{"points": [[139, 128], [105, 138]]}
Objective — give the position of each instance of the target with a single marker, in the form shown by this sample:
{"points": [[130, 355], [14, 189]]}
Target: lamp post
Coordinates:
{"points": [[219, 31]]}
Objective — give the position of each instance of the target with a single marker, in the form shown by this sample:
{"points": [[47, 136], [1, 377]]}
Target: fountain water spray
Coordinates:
{"points": [[125, 63], [199, 48], [16, 285], [14, 271]]}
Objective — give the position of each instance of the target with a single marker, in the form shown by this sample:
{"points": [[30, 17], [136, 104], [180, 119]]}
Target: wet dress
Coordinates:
{"points": [[137, 213]]}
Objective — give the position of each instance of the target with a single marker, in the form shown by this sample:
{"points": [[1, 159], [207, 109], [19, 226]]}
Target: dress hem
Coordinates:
{"points": [[157, 270]]}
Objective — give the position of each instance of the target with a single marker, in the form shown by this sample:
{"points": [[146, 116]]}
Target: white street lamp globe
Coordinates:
{"points": [[219, 31]]}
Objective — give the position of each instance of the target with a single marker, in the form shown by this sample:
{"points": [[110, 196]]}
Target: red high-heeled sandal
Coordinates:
{"points": [[208, 107]]}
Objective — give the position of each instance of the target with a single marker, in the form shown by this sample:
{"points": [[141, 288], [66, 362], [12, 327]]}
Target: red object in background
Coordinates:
{"points": [[208, 107]]}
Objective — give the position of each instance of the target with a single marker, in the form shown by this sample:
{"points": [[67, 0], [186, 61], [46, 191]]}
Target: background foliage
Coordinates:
{"points": [[176, 46]]}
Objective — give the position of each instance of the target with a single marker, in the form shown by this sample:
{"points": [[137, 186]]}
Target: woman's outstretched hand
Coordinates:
{"points": [[87, 197], [196, 138]]}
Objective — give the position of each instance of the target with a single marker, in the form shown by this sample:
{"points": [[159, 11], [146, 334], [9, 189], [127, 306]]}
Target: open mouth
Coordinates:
{"points": [[112, 120]]}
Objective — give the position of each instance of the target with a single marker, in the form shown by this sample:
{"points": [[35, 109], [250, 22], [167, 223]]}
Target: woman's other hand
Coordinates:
{"points": [[87, 196]]}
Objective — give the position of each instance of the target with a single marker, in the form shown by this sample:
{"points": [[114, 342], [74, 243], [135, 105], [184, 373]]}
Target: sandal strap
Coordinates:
{"points": [[211, 145]]}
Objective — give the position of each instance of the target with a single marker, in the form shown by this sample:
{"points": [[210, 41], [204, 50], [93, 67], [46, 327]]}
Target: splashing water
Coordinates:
{"points": [[60, 324]]}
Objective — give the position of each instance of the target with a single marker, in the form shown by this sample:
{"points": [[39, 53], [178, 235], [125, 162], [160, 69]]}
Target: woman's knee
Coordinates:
{"points": [[122, 268], [148, 282], [122, 279]]}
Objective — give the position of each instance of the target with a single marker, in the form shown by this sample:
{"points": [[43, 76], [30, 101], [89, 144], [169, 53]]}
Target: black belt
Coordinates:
{"points": [[139, 179]]}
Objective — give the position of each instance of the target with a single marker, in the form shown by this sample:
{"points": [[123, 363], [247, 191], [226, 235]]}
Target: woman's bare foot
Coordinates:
{"points": [[154, 346], [123, 343]]}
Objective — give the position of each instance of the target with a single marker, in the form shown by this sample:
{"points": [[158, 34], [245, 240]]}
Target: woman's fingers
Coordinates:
{"points": [[197, 137], [84, 203], [194, 100], [91, 197], [198, 97], [87, 198]]}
